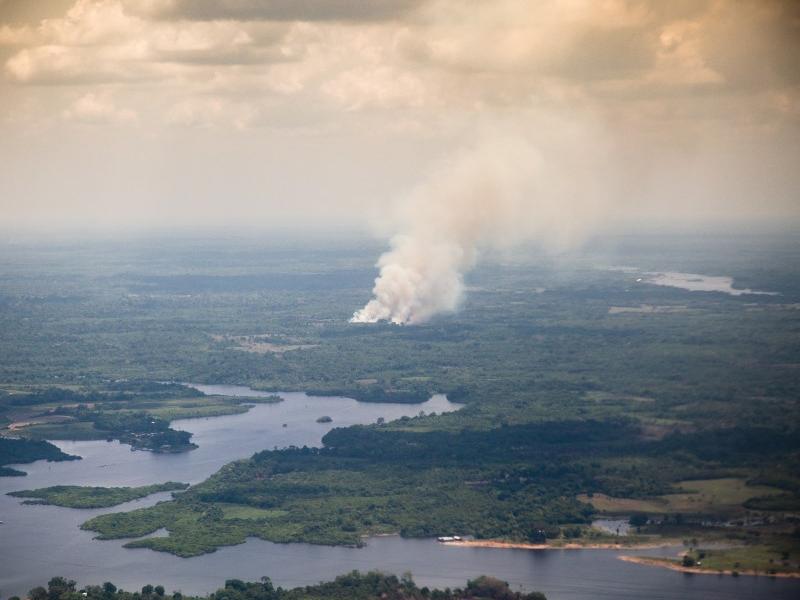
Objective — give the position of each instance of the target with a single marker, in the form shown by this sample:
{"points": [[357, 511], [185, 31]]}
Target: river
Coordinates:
{"points": [[38, 542]]}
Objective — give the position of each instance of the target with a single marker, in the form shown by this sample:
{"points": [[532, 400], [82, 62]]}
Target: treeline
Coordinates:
{"points": [[14, 451], [736, 446], [548, 446], [353, 586], [509, 442], [376, 394]]}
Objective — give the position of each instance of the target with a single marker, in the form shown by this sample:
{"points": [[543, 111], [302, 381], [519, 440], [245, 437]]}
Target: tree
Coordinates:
{"points": [[38, 593], [58, 586], [537, 535], [638, 520], [235, 584]]}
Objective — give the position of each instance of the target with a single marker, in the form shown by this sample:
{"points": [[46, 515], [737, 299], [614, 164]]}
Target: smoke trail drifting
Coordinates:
{"points": [[477, 200], [503, 191]]}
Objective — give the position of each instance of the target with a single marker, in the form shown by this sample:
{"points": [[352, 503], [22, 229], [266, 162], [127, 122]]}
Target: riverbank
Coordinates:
{"points": [[673, 566], [565, 546]]}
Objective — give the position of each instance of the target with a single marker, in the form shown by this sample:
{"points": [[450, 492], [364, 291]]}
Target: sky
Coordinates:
{"points": [[331, 114]]}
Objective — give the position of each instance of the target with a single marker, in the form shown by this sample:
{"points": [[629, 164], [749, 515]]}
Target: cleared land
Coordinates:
{"points": [[778, 560], [700, 496]]}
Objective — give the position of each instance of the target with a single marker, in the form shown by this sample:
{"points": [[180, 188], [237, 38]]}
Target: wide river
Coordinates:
{"points": [[38, 542]]}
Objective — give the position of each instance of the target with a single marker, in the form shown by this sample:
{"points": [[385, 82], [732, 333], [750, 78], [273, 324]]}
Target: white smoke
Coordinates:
{"points": [[491, 196]]}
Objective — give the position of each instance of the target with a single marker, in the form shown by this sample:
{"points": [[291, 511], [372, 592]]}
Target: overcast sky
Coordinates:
{"points": [[160, 113]]}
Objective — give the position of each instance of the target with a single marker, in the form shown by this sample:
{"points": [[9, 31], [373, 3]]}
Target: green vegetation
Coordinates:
{"points": [[780, 557], [73, 496], [14, 451], [506, 483], [783, 556], [353, 586], [699, 496], [578, 400]]}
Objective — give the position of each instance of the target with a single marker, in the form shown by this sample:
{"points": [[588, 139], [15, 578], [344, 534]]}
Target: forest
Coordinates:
{"points": [[586, 391]]}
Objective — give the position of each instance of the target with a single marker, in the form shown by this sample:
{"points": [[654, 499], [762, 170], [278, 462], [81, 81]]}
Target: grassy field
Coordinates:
{"points": [[718, 496], [249, 513], [780, 557]]}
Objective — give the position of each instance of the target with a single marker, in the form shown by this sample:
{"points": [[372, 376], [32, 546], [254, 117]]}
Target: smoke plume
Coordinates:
{"points": [[489, 197]]}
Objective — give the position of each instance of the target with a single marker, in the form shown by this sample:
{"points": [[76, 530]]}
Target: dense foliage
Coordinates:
{"points": [[353, 586]]}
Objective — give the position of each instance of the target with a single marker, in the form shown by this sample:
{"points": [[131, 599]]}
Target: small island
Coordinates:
{"points": [[75, 496]]}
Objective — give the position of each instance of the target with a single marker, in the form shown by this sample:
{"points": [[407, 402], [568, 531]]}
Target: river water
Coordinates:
{"points": [[38, 542]]}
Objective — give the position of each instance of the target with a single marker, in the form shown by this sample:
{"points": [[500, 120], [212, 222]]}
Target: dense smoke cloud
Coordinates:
{"points": [[491, 196]]}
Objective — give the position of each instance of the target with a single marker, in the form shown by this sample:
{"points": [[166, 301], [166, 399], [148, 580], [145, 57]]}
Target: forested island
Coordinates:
{"points": [[14, 451], [73, 496]]}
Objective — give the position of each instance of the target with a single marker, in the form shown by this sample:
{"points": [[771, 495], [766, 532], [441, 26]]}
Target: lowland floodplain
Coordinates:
{"points": [[588, 391]]}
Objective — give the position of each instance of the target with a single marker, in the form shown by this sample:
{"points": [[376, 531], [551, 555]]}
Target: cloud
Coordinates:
{"points": [[212, 112], [96, 108], [699, 99], [422, 53], [272, 10], [98, 41]]}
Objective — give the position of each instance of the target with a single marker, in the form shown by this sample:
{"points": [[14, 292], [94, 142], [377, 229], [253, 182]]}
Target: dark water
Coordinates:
{"points": [[38, 542]]}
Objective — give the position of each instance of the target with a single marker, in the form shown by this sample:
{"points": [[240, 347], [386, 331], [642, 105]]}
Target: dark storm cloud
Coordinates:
{"points": [[276, 10]]}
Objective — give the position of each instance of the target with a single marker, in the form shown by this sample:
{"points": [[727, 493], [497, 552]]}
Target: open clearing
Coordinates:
{"points": [[705, 495]]}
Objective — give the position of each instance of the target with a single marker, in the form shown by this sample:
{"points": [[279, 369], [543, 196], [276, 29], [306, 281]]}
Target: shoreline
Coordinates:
{"points": [[665, 564], [567, 546]]}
